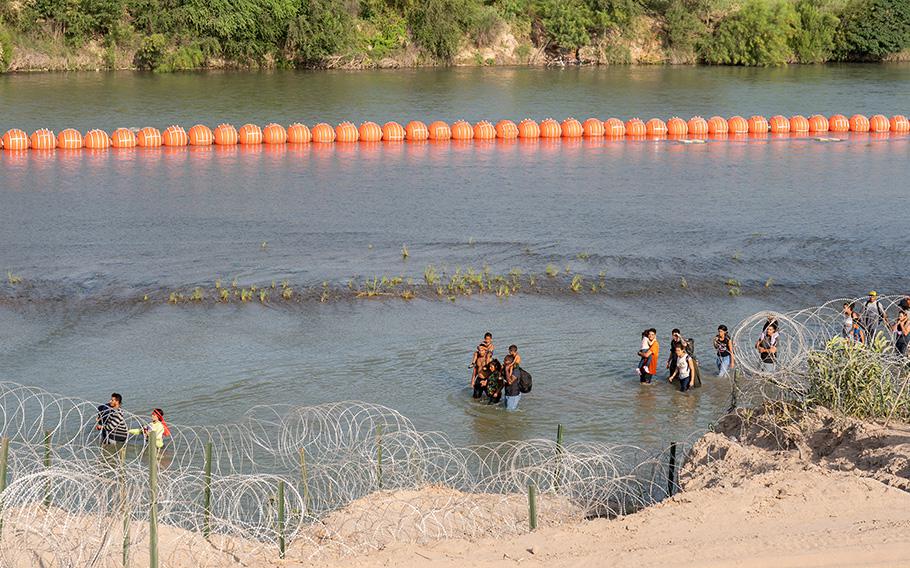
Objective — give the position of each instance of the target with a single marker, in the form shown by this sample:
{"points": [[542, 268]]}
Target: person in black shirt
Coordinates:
{"points": [[723, 345]]}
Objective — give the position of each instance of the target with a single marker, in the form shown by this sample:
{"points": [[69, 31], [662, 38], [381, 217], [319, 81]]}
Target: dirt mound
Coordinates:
{"points": [[817, 437]]}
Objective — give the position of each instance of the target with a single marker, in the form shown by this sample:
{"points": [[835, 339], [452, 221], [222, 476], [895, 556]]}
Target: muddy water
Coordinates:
{"points": [[794, 221]]}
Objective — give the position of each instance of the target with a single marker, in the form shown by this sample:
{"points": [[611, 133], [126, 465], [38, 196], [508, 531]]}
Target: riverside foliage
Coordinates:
{"points": [[168, 35]]}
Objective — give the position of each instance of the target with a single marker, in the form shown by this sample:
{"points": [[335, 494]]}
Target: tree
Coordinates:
{"points": [[874, 29], [758, 34], [566, 22]]}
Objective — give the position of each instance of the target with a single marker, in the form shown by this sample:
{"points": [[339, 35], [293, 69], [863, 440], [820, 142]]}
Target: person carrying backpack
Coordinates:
{"points": [[512, 383]]}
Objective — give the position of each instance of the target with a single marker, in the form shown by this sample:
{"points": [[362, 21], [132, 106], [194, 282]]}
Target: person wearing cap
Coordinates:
{"points": [[873, 316]]}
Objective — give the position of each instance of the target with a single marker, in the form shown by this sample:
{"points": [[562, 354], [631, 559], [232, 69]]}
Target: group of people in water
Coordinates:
{"points": [[506, 381], [499, 382], [682, 365], [863, 323]]}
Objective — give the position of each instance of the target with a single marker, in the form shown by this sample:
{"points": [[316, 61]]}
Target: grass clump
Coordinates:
{"points": [[859, 380]]}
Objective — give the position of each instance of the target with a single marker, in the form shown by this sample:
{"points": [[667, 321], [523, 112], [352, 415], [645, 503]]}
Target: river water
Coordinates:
{"points": [[794, 221]]}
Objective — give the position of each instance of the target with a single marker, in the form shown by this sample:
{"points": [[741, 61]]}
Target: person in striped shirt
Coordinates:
{"points": [[111, 423]]}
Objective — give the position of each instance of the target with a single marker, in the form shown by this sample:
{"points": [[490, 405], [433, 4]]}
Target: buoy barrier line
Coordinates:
{"points": [[675, 128]]}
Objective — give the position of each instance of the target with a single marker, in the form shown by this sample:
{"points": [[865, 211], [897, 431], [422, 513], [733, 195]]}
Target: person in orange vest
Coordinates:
{"points": [[647, 373]]}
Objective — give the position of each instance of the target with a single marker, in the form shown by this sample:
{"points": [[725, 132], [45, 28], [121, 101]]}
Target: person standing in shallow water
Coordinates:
{"points": [[676, 340], [723, 346], [510, 389], [647, 374], [685, 369]]}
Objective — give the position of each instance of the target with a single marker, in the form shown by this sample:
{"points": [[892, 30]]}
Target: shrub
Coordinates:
{"points": [[438, 25], [857, 380], [323, 28], [813, 40], [151, 52], [565, 22], [6, 49], [758, 34], [684, 26], [874, 29]]}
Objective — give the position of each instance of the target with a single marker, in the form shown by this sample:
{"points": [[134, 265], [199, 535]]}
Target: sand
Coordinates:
{"points": [[817, 492], [822, 493]]}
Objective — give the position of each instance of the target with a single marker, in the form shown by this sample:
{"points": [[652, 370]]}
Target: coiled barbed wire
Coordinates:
{"points": [[804, 336], [356, 477]]}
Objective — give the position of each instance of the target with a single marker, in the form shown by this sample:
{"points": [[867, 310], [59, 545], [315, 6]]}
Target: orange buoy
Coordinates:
{"points": [[346, 132], [323, 133], [799, 123], [69, 139], [393, 132], [461, 130], [877, 123], [484, 130], [636, 128], [899, 123], [200, 135], [299, 134], [656, 128], [677, 127], [225, 135], [370, 132], [859, 123], [571, 128], [174, 136], [549, 128], [614, 128], [274, 134], [697, 126], [416, 131], [779, 124], [528, 128], [123, 138], [439, 130], [718, 125], [96, 139], [737, 125], [506, 129], [15, 140], [838, 123], [759, 124], [148, 137], [43, 139], [593, 128], [818, 123], [249, 135]]}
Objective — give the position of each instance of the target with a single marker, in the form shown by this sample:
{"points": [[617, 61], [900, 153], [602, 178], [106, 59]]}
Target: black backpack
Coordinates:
{"points": [[524, 380]]}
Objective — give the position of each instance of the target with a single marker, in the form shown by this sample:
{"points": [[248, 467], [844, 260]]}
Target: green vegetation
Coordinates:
{"points": [[857, 380], [174, 35]]}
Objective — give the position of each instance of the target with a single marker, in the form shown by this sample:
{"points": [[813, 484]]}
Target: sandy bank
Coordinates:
{"points": [[818, 493]]}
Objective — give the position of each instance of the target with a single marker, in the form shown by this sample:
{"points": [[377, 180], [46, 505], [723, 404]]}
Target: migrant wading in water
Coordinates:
{"points": [[650, 355], [726, 356], [482, 356]]}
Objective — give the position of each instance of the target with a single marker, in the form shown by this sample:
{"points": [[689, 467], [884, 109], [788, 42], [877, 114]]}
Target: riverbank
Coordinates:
{"points": [[761, 490], [758, 492], [188, 35]]}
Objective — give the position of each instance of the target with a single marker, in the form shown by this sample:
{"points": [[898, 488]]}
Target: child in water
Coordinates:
{"points": [[482, 356], [513, 351], [157, 425], [643, 353]]}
